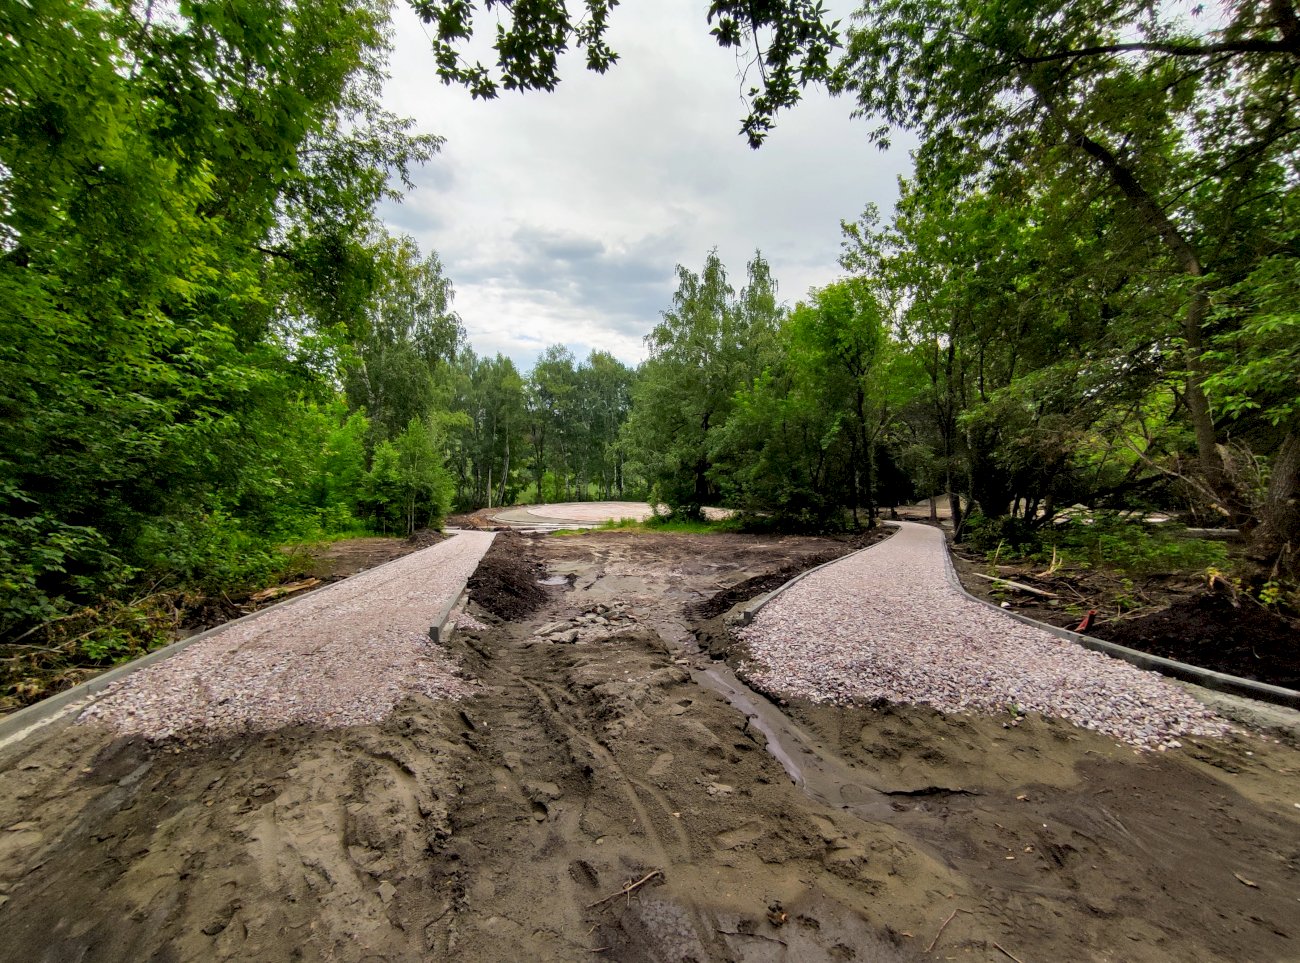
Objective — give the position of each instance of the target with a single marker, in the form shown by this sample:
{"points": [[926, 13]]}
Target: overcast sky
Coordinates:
{"points": [[560, 217]]}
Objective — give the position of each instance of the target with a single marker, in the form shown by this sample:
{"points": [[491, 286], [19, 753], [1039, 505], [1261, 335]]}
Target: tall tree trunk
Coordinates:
{"points": [[540, 450], [1277, 538], [860, 403], [505, 472]]}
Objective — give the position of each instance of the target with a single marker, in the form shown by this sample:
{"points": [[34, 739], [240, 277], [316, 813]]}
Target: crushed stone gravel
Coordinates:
{"points": [[887, 624], [345, 655], [467, 622]]}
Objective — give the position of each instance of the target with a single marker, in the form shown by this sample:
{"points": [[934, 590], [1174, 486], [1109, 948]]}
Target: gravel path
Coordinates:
{"points": [[587, 513], [887, 624], [342, 656]]}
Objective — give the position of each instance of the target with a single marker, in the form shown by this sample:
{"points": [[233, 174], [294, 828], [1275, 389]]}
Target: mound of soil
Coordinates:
{"points": [[505, 582], [1212, 632], [425, 537]]}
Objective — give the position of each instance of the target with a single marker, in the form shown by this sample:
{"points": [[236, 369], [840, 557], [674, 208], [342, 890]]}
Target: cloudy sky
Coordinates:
{"points": [[560, 217]]}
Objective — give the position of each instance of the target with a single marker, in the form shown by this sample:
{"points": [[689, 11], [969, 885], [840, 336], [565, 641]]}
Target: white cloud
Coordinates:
{"points": [[560, 216]]}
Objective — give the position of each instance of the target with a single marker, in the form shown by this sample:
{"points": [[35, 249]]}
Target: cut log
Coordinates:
{"points": [[288, 589], [1018, 586]]}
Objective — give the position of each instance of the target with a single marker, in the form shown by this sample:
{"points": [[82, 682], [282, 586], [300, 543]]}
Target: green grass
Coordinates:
{"points": [[1107, 540], [688, 526]]}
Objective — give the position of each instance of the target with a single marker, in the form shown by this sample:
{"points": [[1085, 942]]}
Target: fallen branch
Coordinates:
{"points": [[1007, 954], [287, 589], [934, 942], [1016, 585], [628, 888], [753, 936]]}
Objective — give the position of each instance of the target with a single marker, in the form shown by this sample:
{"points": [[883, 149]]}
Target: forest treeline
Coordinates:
{"points": [[210, 345]]}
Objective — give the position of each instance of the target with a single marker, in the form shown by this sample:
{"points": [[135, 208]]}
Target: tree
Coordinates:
{"points": [[550, 386], [788, 42], [706, 348], [842, 328], [406, 334], [1187, 134], [488, 439], [173, 188]]}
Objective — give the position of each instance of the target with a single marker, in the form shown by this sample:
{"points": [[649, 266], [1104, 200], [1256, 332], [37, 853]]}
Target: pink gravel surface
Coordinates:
{"points": [[886, 623], [345, 655], [593, 512]]}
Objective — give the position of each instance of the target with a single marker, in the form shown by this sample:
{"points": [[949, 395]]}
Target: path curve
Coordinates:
{"points": [[344, 655], [887, 624], [583, 514]]}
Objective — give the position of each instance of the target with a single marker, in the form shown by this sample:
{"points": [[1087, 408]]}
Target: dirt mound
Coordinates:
{"points": [[720, 602], [481, 520], [425, 537], [1210, 631], [505, 582]]}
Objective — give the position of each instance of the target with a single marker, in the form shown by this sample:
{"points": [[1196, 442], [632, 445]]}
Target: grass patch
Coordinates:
{"points": [[1112, 541], [658, 523]]}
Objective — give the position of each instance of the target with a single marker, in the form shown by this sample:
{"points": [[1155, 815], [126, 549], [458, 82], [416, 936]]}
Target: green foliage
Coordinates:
{"points": [[790, 39], [212, 552], [574, 415], [671, 523], [1103, 213], [186, 211], [407, 486], [1255, 362], [709, 346], [1101, 540]]}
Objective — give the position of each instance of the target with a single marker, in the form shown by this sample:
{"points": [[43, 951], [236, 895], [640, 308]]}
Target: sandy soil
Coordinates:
{"points": [[508, 826]]}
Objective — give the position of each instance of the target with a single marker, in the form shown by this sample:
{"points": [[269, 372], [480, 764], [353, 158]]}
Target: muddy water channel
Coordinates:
{"points": [[615, 791]]}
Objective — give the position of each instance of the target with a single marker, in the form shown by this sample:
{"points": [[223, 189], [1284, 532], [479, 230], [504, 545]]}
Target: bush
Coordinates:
{"points": [[214, 552], [1014, 536]]}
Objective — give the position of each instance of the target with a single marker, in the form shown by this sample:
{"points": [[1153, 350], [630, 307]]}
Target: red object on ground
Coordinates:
{"points": [[1086, 624]]}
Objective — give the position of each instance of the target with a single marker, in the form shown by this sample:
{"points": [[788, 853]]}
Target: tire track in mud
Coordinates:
{"points": [[598, 762], [549, 778]]}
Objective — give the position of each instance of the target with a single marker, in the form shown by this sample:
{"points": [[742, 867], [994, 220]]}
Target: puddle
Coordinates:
{"points": [[554, 580]]}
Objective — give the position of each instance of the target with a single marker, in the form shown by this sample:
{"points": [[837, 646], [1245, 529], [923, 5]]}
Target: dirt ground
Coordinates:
{"points": [[600, 800]]}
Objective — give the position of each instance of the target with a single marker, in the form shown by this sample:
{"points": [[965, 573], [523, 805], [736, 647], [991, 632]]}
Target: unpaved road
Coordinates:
{"points": [[494, 828]]}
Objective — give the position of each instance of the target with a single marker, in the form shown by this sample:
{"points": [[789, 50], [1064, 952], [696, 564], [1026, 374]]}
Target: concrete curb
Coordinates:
{"points": [[439, 631], [1208, 678], [63, 705], [753, 607]]}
